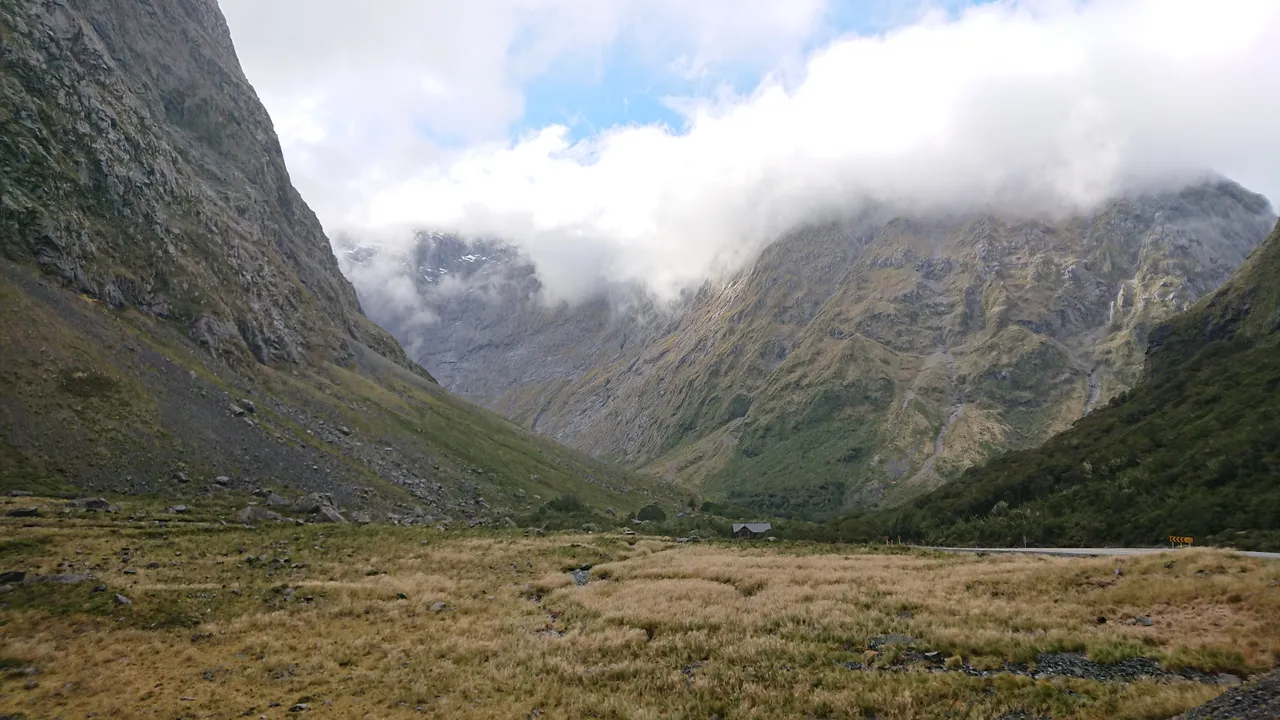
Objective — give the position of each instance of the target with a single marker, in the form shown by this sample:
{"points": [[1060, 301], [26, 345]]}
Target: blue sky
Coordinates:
{"points": [[624, 86], [618, 91]]}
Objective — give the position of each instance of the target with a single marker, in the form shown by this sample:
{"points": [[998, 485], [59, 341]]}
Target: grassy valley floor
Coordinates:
{"points": [[143, 613]]}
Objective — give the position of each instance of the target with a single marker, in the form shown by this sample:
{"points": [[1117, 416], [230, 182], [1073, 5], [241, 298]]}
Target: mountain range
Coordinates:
{"points": [[856, 363]]}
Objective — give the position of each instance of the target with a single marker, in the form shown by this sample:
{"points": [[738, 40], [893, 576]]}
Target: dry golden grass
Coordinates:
{"points": [[661, 631]]}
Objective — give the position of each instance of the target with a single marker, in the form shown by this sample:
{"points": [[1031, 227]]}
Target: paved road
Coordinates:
{"points": [[1092, 552]]}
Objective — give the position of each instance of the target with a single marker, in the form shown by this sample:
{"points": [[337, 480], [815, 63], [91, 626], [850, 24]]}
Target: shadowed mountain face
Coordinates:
{"points": [[856, 363], [1190, 451], [173, 308]]}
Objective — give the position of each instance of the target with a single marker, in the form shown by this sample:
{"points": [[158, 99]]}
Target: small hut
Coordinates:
{"points": [[751, 531]]}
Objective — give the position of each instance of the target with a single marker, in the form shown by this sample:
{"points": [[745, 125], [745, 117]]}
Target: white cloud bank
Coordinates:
{"points": [[1035, 105], [361, 92]]}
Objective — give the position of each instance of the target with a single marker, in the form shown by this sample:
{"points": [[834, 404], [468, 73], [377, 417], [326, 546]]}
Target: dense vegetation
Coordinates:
{"points": [[1194, 450]]}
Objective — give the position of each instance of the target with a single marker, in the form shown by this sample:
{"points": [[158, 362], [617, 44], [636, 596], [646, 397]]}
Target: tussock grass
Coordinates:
{"points": [[372, 622]]}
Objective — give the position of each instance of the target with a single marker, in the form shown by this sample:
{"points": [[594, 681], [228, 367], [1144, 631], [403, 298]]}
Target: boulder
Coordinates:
{"points": [[60, 578], [12, 576], [94, 504], [276, 500], [312, 504], [329, 514], [256, 514], [25, 512]]}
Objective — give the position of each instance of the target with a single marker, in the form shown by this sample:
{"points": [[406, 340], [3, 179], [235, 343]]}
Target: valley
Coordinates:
{"points": [[760, 439]]}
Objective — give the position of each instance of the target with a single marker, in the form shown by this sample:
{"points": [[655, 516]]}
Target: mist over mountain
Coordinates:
{"points": [[858, 361], [1029, 108], [477, 311]]}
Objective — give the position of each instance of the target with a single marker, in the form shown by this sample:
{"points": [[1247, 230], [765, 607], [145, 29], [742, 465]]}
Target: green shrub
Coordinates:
{"points": [[652, 513]]}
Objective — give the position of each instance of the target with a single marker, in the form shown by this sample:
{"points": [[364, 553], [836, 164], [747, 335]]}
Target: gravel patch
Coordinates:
{"points": [[1256, 700], [1073, 665]]}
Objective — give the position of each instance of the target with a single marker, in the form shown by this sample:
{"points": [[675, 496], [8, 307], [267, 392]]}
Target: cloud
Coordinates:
{"points": [[385, 284], [1040, 106], [366, 95]]}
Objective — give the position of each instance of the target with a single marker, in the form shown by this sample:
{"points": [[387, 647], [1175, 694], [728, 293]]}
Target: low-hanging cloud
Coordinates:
{"points": [[1033, 106]]}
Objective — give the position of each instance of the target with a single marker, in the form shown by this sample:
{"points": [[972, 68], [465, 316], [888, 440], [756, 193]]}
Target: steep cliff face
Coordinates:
{"points": [[137, 165], [1190, 451], [174, 318], [862, 362]]}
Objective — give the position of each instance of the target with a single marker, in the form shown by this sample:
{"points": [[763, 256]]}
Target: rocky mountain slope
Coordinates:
{"points": [[174, 313], [856, 363], [1191, 451], [474, 314]]}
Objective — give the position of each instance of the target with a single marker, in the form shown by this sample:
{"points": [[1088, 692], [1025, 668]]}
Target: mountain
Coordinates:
{"points": [[856, 363], [1190, 451], [476, 314], [174, 313]]}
